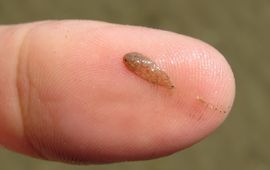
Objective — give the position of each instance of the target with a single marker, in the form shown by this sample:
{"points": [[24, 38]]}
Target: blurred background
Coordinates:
{"points": [[240, 29]]}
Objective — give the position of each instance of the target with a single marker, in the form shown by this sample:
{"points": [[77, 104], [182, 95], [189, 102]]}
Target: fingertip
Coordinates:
{"points": [[85, 106]]}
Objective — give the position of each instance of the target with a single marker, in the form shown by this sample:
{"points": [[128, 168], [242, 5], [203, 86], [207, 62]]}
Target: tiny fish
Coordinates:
{"points": [[147, 69]]}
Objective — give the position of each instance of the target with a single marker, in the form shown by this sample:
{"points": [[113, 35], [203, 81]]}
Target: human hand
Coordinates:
{"points": [[66, 95]]}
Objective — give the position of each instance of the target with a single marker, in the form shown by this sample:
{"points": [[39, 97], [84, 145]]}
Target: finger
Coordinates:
{"points": [[77, 102]]}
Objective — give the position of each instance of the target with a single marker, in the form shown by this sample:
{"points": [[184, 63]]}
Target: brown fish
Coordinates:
{"points": [[147, 69]]}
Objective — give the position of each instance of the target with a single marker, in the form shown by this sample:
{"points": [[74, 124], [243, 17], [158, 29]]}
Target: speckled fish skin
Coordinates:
{"points": [[147, 69]]}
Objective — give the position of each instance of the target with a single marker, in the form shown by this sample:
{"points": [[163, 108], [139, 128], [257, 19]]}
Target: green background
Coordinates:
{"points": [[238, 28]]}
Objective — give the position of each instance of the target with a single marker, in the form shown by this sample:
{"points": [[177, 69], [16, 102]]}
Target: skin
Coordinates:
{"points": [[67, 96]]}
